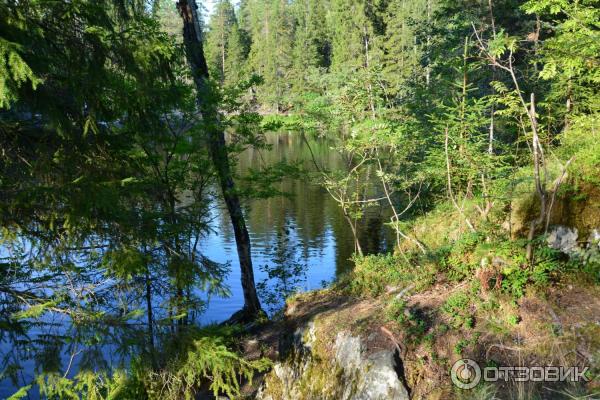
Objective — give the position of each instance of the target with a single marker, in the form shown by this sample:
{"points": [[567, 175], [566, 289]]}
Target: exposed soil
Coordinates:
{"points": [[558, 327]]}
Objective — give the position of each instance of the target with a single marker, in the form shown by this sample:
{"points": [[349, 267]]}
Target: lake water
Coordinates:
{"points": [[317, 236], [303, 235]]}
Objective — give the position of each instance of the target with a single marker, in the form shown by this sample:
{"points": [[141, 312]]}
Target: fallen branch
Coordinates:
{"points": [[388, 333]]}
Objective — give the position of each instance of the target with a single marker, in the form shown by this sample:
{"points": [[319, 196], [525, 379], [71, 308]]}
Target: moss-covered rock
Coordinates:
{"points": [[347, 372]]}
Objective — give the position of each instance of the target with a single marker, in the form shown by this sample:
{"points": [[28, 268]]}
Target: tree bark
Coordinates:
{"points": [[192, 39], [540, 185]]}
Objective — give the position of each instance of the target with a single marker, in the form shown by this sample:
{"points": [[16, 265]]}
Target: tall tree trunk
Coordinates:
{"points": [[491, 130], [218, 151], [540, 183], [151, 347]]}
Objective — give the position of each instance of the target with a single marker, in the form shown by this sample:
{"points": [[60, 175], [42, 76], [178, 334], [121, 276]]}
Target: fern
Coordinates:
{"points": [[208, 359], [14, 72], [205, 359]]}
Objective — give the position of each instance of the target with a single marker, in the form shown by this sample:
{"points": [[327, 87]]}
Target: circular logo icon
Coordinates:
{"points": [[465, 374]]}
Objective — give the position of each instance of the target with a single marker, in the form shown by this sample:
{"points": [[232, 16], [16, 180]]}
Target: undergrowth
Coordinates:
{"points": [[196, 359], [482, 277]]}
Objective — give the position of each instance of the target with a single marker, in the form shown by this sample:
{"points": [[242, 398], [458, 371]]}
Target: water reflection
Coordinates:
{"points": [[320, 239], [299, 242], [286, 271]]}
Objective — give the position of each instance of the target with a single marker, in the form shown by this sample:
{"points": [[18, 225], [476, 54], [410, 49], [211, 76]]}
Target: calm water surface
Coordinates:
{"points": [[318, 234], [304, 232]]}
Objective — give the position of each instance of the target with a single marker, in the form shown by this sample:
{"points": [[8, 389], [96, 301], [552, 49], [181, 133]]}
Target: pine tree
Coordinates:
{"points": [[270, 56], [220, 27], [311, 46], [404, 49]]}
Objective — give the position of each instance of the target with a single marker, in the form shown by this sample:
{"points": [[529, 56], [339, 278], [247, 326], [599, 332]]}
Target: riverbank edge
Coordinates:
{"points": [[562, 327]]}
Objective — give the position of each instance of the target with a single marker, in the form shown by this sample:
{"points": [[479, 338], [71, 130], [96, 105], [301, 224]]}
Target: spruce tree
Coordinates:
{"points": [[354, 40], [237, 53], [405, 49], [311, 46], [220, 27], [270, 56]]}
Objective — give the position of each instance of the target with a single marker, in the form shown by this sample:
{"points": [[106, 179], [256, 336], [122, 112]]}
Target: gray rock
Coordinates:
{"points": [[367, 378], [380, 379], [348, 351], [357, 377], [563, 238]]}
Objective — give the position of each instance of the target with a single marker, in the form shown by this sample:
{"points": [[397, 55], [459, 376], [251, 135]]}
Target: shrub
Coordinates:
{"points": [[457, 309], [517, 274], [461, 261], [204, 358], [395, 311], [373, 273]]}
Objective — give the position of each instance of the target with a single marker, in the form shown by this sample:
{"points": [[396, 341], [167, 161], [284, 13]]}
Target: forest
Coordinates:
{"points": [[299, 199]]}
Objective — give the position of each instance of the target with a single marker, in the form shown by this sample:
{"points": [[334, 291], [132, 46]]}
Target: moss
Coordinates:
{"points": [[274, 386], [322, 379], [319, 376], [577, 205]]}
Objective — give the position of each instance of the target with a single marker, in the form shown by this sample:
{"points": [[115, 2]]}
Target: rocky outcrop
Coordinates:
{"points": [[563, 238], [347, 372], [378, 376], [567, 240]]}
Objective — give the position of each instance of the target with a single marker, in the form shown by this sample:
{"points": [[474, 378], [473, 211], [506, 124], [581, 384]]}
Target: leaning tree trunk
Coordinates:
{"points": [[218, 151]]}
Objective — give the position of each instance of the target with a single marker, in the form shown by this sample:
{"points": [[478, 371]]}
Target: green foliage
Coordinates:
{"points": [[125, 263], [457, 308], [502, 43], [396, 311], [517, 275], [461, 262], [14, 72], [206, 358], [410, 321], [403, 57], [509, 260], [21, 393], [107, 182], [34, 311], [199, 357], [461, 346], [108, 185], [88, 385], [372, 275], [512, 319], [270, 26], [581, 143], [570, 57], [225, 47]]}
